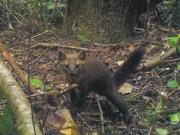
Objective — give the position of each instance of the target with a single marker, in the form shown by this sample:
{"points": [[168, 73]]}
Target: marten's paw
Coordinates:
{"points": [[127, 119]]}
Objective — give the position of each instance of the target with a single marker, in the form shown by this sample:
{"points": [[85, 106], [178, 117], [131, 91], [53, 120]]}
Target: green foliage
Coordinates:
{"points": [[43, 10], [162, 131], [178, 66], [49, 9], [174, 41], [6, 121], [153, 115], [160, 105], [1, 96], [172, 84], [83, 38], [36, 82], [168, 4], [53, 6], [174, 118]]}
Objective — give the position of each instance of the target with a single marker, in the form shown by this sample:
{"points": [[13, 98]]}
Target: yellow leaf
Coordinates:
{"points": [[125, 88], [69, 128]]}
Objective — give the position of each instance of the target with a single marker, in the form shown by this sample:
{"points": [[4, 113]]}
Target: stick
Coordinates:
{"points": [[150, 64], [20, 73], [47, 45]]}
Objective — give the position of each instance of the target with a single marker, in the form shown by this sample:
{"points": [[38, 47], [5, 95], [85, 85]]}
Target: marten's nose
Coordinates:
{"points": [[72, 73]]}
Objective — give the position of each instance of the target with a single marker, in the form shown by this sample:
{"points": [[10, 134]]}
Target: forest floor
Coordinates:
{"points": [[145, 90]]}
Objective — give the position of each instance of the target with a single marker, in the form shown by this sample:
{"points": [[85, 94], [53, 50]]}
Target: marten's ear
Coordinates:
{"points": [[61, 55], [82, 55]]}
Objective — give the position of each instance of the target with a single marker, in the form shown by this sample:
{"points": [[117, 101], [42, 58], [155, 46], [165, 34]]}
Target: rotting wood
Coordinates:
{"points": [[20, 73], [150, 64], [18, 103]]}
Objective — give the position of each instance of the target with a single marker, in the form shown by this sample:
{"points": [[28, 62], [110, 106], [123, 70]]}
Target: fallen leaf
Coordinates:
{"points": [[63, 86], [139, 78], [131, 48], [94, 133], [54, 120], [163, 52], [125, 88], [69, 128], [120, 62]]}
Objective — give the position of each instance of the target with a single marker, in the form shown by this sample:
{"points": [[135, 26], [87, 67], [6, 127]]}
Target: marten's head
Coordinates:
{"points": [[71, 63]]}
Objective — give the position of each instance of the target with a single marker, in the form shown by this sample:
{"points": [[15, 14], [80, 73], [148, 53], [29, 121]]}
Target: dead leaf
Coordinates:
{"points": [[146, 98], [163, 52], [54, 120], [120, 62], [63, 86], [131, 48], [69, 128], [125, 88], [94, 133], [164, 95], [139, 78]]}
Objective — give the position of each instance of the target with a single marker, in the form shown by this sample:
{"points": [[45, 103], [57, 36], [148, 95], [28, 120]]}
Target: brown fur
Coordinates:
{"points": [[93, 75]]}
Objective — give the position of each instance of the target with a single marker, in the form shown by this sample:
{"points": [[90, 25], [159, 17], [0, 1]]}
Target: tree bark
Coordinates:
{"points": [[176, 15], [105, 21], [18, 103]]}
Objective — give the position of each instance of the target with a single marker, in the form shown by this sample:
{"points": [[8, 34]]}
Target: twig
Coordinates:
{"points": [[150, 64], [101, 115], [47, 45], [114, 45], [40, 34], [150, 129], [173, 60], [139, 29], [84, 122], [62, 92], [38, 57]]}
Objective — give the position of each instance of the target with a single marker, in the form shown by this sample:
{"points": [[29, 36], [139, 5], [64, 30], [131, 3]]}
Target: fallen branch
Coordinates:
{"points": [[157, 61], [47, 45], [20, 73], [18, 103], [59, 93]]}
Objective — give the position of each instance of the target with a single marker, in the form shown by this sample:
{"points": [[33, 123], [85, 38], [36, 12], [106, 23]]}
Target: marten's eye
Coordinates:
{"points": [[77, 64]]}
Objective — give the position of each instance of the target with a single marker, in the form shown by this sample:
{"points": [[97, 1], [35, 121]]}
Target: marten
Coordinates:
{"points": [[93, 75]]}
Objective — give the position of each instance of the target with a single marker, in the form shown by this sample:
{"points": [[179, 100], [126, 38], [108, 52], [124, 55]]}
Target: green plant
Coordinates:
{"points": [[174, 42], [162, 131], [49, 9], [38, 83], [169, 4], [43, 10], [83, 38], [6, 121], [174, 118], [153, 115], [178, 67], [173, 84]]}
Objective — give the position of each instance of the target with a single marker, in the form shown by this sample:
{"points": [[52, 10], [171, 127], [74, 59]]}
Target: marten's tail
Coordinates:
{"points": [[128, 67]]}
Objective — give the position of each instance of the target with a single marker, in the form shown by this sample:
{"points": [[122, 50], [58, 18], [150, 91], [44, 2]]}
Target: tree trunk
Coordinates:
{"points": [[105, 21], [176, 15]]}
